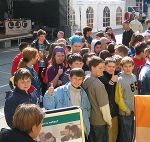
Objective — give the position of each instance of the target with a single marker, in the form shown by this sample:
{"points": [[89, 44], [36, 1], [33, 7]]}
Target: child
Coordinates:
{"points": [[126, 88], [100, 113], [70, 94], [109, 79], [97, 48], [20, 95], [27, 123], [75, 61], [144, 76]]}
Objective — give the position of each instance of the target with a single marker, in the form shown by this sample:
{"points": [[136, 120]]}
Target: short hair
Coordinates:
{"points": [[107, 28], [126, 60], [122, 49], [147, 51], [139, 47], [84, 51], [86, 56], [135, 39], [111, 48], [26, 116], [118, 58], [68, 47], [23, 45], [147, 21], [95, 61], [40, 32], [77, 72], [61, 32], [100, 34], [21, 73], [86, 29], [104, 54], [110, 60], [74, 57]]}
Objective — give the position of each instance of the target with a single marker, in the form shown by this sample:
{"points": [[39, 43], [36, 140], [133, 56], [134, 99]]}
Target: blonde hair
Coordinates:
{"points": [[27, 55], [26, 116], [147, 51], [127, 60]]}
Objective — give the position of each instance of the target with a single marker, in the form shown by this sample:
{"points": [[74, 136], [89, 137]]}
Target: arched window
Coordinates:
{"points": [[119, 16], [72, 17], [106, 17], [90, 16]]}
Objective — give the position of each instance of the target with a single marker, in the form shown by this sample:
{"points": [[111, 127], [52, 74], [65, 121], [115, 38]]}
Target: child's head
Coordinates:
{"points": [[110, 65], [87, 57], [127, 64], [96, 66], [23, 45], [41, 35], [121, 50], [118, 59], [58, 55], [139, 49], [97, 48], [147, 52], [76, 77], [28, 118], [135, 39], [29, 55], [104, 54], [75, 61], [84, 51], [111, 48], [22, 79], [67, 49]]}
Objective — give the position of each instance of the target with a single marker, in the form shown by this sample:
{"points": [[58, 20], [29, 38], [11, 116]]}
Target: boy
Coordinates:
{"points": [[124, 97], [70, 94], [121, 50], [20, 95], [75, 61], [109, 80], [100, 116]]}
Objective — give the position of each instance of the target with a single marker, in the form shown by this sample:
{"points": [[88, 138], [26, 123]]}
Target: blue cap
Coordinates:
{"points": [[74, 39]]}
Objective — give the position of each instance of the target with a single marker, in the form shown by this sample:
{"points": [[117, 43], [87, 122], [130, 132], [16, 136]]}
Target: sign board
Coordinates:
{"points": [[13, 27], [63, 125]]}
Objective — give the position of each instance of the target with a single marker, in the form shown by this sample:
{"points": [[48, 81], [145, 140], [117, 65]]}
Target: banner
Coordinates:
{"points": [[63, 125], [13, 27]]}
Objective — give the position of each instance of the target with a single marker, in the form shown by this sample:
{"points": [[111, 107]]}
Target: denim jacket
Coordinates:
{"points": [[61, 98]]}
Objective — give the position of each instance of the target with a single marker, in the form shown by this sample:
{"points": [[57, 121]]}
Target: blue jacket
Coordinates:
{"points": [[144, 78], [13, 99], [61, 98]]}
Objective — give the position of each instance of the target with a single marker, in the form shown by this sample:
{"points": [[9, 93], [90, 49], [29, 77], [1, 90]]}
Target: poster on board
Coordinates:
{"points": [[63, 125]]}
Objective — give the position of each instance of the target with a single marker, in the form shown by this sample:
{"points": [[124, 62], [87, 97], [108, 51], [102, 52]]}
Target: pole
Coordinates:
{"points": [[80, 16]]}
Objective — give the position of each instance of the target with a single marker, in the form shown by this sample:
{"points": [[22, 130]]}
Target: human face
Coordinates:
{"points": [[97, 49], [24, 84], [110, 67], [109, 31], [76, 81], [36, 130], [125, 26], [89, 33], [59, 35], [127, 68], [41, 38], [34, 60], [76, 64], [98, 70], [60, 57], [76, 47]]}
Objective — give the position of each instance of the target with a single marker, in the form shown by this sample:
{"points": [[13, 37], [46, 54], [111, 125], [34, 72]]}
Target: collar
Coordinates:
{"points": [[21, 91]]}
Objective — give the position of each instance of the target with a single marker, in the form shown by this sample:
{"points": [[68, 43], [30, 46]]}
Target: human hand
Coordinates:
{"points": [[51, 89], [60, 71], [114, 78]]}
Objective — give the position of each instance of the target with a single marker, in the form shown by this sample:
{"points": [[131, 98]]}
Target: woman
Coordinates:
{"points": [[109, 31], [27, 123]]}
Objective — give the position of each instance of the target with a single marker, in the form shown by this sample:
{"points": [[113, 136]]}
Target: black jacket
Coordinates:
{"points": [[13, 99], [14, 135], [110, 88], [126, 38]]}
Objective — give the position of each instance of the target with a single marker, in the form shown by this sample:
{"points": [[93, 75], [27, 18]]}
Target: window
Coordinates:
{"points": [[106, 17], [71, 17], [139, 4], [90, 16], [119, 16]]}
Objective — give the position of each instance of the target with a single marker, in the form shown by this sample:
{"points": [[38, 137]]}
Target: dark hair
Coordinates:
{"points": [[97, 43], [52, 46], [68, 47], [23, 45], [148, 43], [111, 48], [86, 56], [100, 34], [77, 72], [110, 60], [74, 57], [21, 73], [84, 51], [86, 29], [95, 61], [147, 21], [139, 47], [135, 39], [79, 33], [67, 127], [104, 54], [26, 116], [107, 28], [77, 131], [40, 32]]}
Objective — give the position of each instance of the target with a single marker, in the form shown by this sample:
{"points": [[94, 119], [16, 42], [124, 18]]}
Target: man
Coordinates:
{"points": [[127, 34]]}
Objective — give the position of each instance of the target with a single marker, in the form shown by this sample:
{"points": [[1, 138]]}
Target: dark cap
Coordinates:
{"points": [[126, 21]]}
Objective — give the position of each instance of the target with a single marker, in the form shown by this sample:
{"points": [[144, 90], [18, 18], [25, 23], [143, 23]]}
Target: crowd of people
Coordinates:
{"points": [[96, 74]]}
